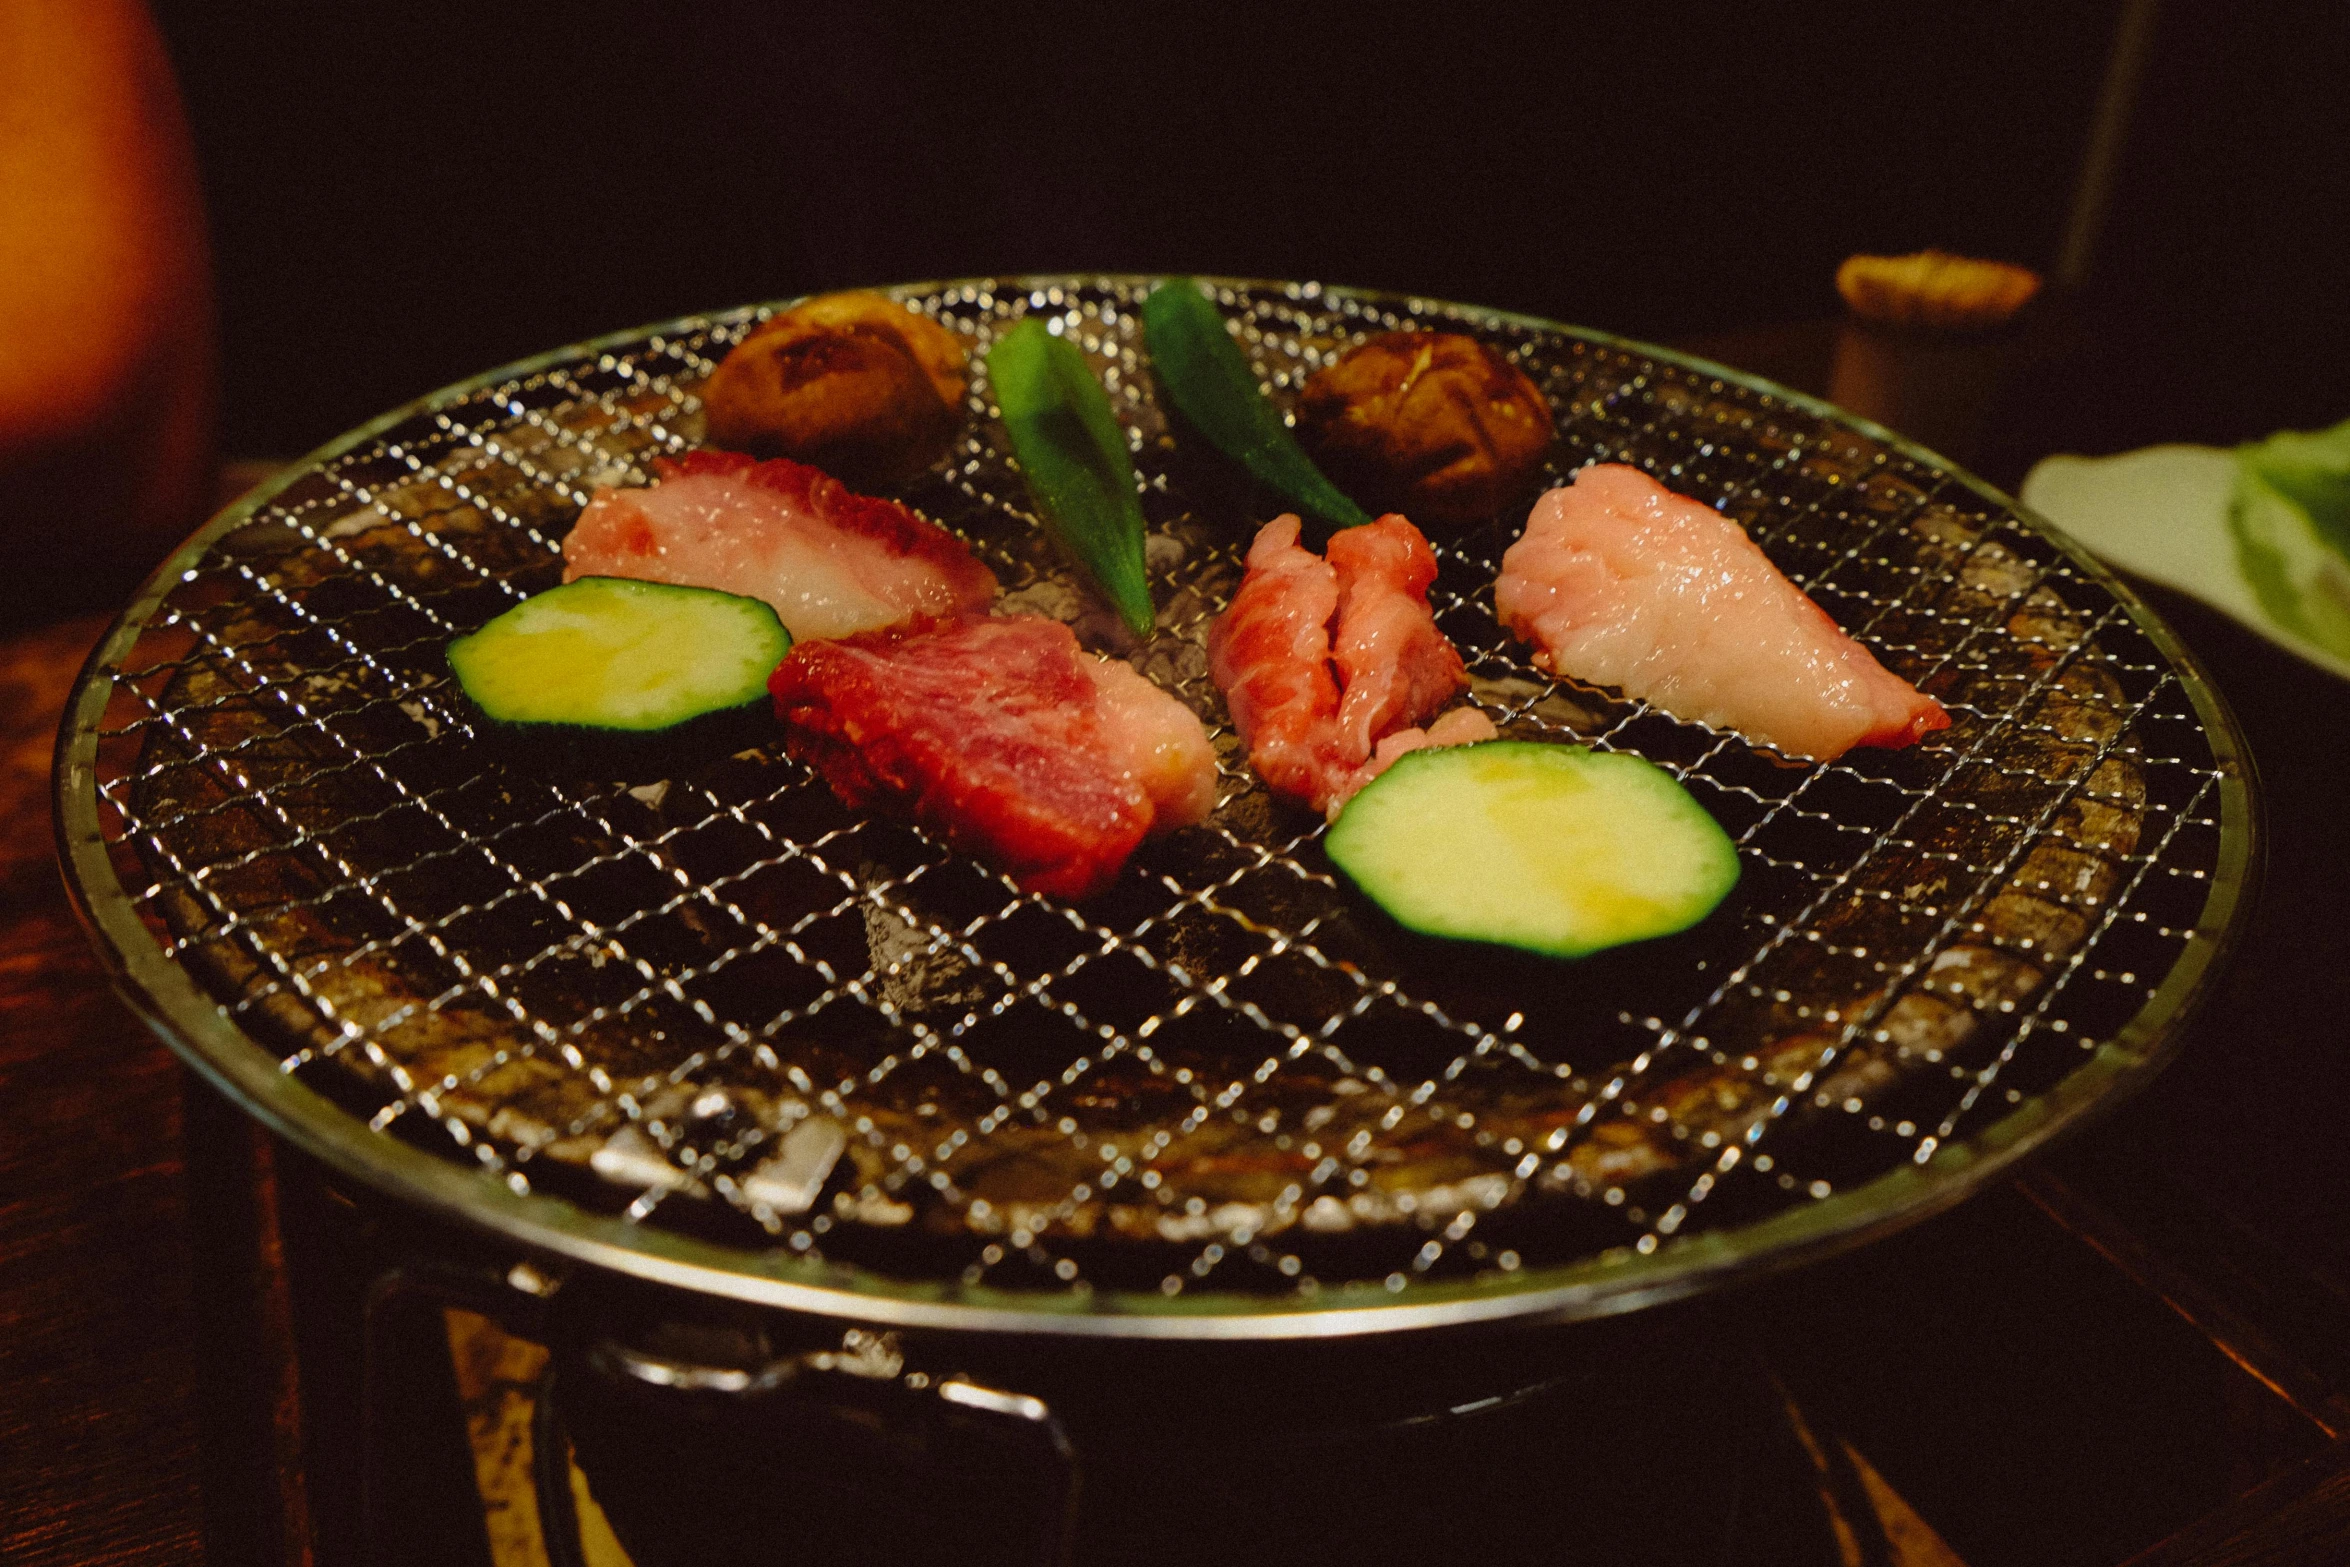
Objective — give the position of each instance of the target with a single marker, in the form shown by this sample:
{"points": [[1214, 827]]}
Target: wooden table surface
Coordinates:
{"points": [[100, 1368]]}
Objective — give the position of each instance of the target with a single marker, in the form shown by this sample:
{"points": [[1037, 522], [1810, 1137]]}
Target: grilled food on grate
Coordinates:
{"points": [[729, 1008]]}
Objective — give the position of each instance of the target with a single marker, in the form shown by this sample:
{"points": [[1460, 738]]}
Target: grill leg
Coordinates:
{"points": [[418, 1500]]}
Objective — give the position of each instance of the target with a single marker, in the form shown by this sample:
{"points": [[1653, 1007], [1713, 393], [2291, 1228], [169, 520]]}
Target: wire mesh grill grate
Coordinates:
{"points": [[724, 1005]]}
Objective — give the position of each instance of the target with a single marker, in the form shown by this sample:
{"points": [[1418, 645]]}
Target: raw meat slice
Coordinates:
{"points": [[1461, 726], [1621, 582], [1394, 666], [1158, 741], [1269, 653], [1323, 661], [830, 561], [998, 734]]}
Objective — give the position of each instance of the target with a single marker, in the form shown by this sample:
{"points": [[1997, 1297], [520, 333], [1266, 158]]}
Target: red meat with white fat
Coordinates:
{"points": [[830, 561], [1000, 735]]}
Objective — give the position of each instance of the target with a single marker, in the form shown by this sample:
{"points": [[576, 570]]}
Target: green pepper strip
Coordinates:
{"points": [[1073, 455], [1203, 371]]}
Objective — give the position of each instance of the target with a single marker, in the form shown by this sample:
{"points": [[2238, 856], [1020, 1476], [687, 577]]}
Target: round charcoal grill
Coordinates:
{"points": [[716, 1031]]}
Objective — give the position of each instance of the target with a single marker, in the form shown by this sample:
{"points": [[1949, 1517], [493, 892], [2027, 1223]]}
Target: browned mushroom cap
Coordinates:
{"points": [[856, 384], [1433, 424]]}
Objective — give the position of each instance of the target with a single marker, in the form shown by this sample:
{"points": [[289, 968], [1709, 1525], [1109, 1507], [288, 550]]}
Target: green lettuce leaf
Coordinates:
{"points": [[2290, 518]]}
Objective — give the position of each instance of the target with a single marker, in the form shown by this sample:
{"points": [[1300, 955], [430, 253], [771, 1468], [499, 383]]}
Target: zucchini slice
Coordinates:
{"points": [[1549, 848], [615, 656]]}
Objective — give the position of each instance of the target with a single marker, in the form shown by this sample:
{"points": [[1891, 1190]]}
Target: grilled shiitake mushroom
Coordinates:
{"points": [[1432, 424], [856, 384]]}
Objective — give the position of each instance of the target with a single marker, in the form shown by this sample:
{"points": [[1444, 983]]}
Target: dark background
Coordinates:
{"points": [[406, 194]]}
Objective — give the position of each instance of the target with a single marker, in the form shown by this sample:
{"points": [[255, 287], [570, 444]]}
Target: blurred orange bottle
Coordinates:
{"points": [[107, 356]]}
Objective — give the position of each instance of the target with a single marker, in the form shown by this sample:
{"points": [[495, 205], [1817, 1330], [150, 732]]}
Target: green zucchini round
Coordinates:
{"points": [[1549, 848], [612, 658]]}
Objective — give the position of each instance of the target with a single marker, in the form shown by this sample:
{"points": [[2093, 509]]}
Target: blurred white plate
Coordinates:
{"points": [[2162, 513]]}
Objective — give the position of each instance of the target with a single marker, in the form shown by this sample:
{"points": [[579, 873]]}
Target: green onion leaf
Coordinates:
{"points": [[1073, 455], [1211, 384]]}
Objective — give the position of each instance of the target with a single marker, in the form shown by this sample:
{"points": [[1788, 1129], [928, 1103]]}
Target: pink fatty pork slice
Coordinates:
{"points": [[1330, 663], [830, 562], [1620, 582]]}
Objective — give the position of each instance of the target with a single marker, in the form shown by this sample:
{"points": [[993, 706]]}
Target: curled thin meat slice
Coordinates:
{"points": [[1394, 666], [1324, 660], [1269, 653]]}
